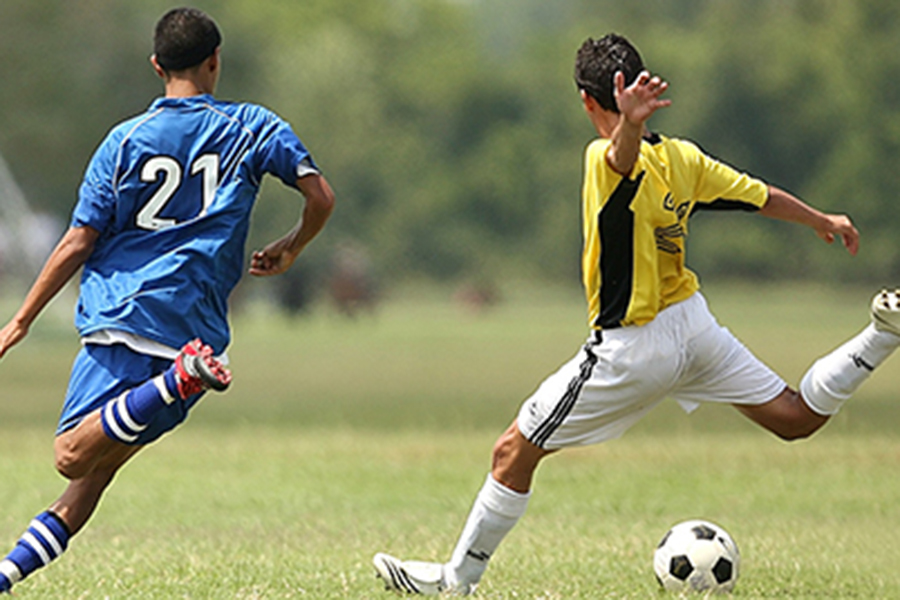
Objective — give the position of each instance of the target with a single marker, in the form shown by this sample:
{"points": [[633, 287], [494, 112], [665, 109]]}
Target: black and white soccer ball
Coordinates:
{"points": [[697, 556]]}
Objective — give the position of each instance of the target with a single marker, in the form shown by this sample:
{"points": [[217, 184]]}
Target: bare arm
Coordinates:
{"points": [[786, 207], [636, 103], [277, 257], [69, 255]]}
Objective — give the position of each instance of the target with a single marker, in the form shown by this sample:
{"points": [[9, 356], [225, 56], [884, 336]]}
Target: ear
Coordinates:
{"points": [[590, 103], [159, 70], [214, 59]]}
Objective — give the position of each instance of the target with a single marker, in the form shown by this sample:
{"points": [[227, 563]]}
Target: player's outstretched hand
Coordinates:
{"points": [[12, 334], [840, 226], [274, 259], [641, 99]]}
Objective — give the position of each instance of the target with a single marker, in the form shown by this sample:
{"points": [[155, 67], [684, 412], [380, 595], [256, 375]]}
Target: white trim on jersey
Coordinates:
{"points": [[305, 168], [109, 337], [115, 177], [138, 343]]}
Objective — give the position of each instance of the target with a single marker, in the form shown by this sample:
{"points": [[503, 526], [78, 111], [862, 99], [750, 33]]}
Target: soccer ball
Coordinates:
{"points": [[697, 556]]}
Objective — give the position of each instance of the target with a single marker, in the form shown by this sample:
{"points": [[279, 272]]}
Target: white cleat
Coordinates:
{"points": [[414, 577], [886, 311]]}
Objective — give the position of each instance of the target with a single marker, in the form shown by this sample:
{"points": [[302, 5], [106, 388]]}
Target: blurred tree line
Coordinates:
{"points": [[452, 131]]}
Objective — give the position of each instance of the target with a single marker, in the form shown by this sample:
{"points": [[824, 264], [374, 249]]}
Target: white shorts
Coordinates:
{"points": [[620, 374]]}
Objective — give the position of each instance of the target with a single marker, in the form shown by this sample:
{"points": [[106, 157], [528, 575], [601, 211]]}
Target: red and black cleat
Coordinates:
{"points": [[196, 370]]}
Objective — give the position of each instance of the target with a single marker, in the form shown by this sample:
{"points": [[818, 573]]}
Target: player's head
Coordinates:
{"points": [[598, 61], [184, 38]]}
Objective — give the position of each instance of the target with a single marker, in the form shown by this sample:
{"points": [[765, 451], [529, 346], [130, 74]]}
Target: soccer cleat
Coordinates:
{"points": [[886, 311], [414, 577], [196, 370]]}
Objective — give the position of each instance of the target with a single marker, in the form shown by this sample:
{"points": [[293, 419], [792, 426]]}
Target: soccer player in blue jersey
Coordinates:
{"points": [[651, 333], [159, 228]]}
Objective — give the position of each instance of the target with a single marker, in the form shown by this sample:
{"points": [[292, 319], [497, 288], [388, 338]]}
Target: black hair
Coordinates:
{"points": [[184, 38], [598, 61]]}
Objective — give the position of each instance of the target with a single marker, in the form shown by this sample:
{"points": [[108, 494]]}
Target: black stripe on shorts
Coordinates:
{"points": [[558, 416]]}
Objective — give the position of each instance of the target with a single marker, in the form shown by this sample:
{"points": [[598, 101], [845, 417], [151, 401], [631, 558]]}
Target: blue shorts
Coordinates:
{"points": [[102, 373]]}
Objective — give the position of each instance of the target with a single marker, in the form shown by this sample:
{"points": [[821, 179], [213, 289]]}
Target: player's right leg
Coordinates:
{"points": [[194, 371], [126, 417], [834, 378]]}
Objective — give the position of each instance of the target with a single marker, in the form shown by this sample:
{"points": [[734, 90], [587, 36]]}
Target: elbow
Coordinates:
{"points": [[79, 243], [81, 251], [319, 196], [326, 199], [325, 203]]}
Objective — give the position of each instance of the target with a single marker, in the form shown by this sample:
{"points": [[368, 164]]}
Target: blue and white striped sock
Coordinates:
{"points": [[125, 417], [46, 538]]}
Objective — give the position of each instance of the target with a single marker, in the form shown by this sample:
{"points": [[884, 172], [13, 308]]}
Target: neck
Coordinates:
{"points": [[185, 88], [605, 122]]}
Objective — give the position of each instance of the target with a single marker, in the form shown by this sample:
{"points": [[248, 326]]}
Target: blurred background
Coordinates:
{"points": [[452, 132]]}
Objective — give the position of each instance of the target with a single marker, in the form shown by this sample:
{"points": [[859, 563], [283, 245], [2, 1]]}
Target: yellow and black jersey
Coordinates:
{"points": [[635, 227]]}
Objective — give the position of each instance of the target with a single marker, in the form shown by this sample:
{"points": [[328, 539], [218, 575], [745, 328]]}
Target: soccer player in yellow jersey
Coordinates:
{"points": [[652, 335]]}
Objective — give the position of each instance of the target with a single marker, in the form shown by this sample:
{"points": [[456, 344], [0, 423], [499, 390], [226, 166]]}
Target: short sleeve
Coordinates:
{"points": [[721, 186], [96, 198], [283, 155]]}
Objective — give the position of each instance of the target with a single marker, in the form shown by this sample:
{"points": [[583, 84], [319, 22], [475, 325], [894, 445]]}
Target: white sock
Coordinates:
{"points": [[833, 378], [495, 512]]}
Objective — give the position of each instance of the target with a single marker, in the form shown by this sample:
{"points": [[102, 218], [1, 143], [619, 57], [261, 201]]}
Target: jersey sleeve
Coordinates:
{"points": [[96, 198], [721, 187], [599, 178], [283, 155]]}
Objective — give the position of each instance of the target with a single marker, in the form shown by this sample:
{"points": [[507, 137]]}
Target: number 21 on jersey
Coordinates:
{"points": [[170, 172]]}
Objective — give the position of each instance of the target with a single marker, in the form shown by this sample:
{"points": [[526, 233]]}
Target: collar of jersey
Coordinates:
{"points": [[164, 102]]}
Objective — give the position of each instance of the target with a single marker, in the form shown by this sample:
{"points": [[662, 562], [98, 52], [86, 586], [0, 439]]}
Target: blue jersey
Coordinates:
{"points": [[170, 192]]}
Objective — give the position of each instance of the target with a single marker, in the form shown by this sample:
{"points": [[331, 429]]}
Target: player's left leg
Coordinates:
{"points": [[48, 534], [605, 388], [91, 452], [78, 502], [499, 505]]}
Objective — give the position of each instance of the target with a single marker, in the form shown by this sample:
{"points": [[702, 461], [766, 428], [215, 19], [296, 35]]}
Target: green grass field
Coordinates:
{"points": [[342, 438]]}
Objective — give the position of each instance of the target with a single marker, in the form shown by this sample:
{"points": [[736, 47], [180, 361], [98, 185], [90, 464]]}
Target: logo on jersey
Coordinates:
{"points": [[666, 237]]}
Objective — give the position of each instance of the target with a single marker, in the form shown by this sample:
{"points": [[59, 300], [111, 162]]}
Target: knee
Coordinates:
{"points": [[515, 459], [798, 424], [505, 450], [70, 463], [787, 416], [793, 434], [501, 450]]}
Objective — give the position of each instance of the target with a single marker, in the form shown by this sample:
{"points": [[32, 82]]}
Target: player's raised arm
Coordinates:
{"points": [[636, 103], [277, 257], [69, 255], [787, 207]]}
